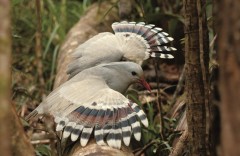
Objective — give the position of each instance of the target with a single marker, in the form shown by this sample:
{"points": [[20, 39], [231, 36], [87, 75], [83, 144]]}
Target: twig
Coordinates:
{"points": [[142, 10], [125, 9], [138, 153], [42, 136], [38, 48], [154, 91], [46, 141], [213, 41], [159, 101], [181, 144], [179, 86], [204, 60]]}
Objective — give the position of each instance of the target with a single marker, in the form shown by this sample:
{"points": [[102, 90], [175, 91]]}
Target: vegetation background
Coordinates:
{"points": [[38, 29], [30, 85]]}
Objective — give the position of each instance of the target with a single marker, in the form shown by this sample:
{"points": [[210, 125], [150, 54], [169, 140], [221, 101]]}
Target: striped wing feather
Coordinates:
{"points": [[90, 105]]}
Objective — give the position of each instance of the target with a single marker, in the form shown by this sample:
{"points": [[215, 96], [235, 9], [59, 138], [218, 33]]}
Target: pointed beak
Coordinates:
{"points": [[144, 83]]}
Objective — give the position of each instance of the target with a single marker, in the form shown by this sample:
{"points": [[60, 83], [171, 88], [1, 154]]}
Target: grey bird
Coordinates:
{"points": [[132, 42], [93, 101]]}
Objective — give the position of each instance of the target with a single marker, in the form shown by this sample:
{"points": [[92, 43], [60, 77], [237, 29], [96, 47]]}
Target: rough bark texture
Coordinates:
{"points": [[180, 146], [229, 59], [13, 139], [196, 75], [90, 24]]}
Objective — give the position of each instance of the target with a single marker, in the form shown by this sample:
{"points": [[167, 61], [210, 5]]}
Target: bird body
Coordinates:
{"points": [[132, 41], [92, 101]]}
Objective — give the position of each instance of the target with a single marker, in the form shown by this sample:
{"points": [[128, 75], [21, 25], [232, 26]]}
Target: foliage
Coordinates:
{"points": [[57, 17]]}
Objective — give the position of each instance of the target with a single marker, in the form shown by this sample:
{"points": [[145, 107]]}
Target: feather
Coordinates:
{"points": [[162, 48], [114, 137], [89, 102], [161, 55], [126, 131], [61, 124], [99, 136], [136, 129], [68, 129], [85, 135], [141, 115], [149, 35], [76, 132], [32, 115]]}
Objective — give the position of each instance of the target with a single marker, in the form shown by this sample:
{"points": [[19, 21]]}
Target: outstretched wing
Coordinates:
{"points": [[152, 38], [102, 48], [90, 105]]}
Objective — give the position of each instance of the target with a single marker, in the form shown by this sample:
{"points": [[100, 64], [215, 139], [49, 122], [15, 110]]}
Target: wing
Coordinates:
{"points": [[102, 48], [82, 48], [90, 105], [132, 41], [144, 39]]}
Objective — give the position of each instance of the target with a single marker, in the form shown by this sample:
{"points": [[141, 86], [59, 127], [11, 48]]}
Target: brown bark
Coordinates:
{"points": [[180, 146], [13, 139], [20, 144], [89, 25], [38, 46], [196, 46], [5, 76], [229, 59]]}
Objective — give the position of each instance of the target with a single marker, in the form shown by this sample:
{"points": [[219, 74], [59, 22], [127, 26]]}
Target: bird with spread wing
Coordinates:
{"points": [[92, 101], [132, 41]]}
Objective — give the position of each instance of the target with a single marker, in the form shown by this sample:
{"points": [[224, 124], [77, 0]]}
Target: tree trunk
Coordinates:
{"points": [[229, 59], [5, 76], [196, 58], [89, 25], [13, 139]]}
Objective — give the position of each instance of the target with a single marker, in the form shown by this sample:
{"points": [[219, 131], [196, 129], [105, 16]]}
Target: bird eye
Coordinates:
{"points": [[134, 73]]}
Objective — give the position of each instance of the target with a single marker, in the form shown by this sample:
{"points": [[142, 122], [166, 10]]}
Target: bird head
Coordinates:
{"points": [[130, 72]]}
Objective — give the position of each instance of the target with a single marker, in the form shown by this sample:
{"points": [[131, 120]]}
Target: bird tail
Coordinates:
{"points": [[32, 115], [152, 37]]}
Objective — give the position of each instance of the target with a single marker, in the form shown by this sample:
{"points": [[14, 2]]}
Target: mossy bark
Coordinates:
{"points": [[196, 58]]}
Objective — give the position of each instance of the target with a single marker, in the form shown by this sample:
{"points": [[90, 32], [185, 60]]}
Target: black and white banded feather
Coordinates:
{"points": [[132, 41], [112, 128], [88, 105], [152, 37]]}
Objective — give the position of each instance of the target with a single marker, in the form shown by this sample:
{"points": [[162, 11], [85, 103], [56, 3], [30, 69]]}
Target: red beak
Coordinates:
{"points": [[145, 84]]}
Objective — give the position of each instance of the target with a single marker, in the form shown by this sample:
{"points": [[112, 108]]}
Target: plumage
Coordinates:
{"points": [[115, 136], [86, 132], [132, 41], [92, 102], [136, 128], [62, 123], [141, 115], [76, 132], [68, 129], [99, 135], [126, 131]]}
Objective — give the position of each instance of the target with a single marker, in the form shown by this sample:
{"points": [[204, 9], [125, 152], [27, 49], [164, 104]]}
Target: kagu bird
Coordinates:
{"points": [[92, 101], [132, 42]]}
